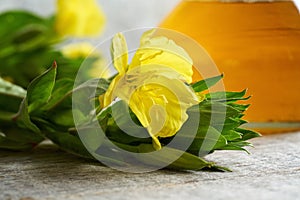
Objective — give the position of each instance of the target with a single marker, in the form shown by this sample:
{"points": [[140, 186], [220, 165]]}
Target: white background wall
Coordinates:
{"points": [[121, 15]]}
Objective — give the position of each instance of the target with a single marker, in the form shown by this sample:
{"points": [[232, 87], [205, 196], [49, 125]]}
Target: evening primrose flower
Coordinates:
{"points": [[99, 69], [86, 50], [79, 18], [153, 84], [78, 50]]}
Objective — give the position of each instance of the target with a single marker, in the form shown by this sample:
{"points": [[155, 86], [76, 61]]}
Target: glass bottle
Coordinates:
{"points": [[256, 44]]}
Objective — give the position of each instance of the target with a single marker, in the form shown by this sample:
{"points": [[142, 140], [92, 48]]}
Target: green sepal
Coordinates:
{"points": [[248, 134], [227, 96], [203, 85]]}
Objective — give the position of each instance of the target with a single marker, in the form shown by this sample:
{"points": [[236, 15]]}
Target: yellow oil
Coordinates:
{"points": [[256, 46]]}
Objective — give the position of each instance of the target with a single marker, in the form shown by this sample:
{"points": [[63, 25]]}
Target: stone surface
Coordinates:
{"points": [[271, 171]]}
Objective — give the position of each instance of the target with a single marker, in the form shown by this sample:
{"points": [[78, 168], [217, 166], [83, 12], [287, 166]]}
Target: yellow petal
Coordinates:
{"points": [[108, 96], [147, 36], [164, 52], [119, 53], [79, 18]]}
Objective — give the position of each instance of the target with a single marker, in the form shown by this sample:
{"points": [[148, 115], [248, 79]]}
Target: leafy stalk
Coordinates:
{"points": [[46, 112]]}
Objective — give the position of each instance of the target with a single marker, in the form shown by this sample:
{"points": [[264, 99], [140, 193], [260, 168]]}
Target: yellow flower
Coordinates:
{"points": [[78, 50], [86, 50], [99, 69], [154, 84], [79, 18]]}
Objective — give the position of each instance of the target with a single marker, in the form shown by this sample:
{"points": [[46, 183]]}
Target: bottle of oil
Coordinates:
{"points": [[256, 44]]}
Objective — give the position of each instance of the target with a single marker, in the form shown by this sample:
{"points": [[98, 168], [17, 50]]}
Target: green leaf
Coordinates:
{"points": [[227, 96], [217, 168], [85, 96], [61, 95], [231, 135], [240, 107], [11, 96], [17, 65], [23, 32], [236, 146], [58, 122], [227, 125], [20, 133], [62, 117], [66, 140], [23, 118], [91, 135], [96, 87], [169, 157], [69, 67], [12, 21], [123, 121], [248, 134], [206, 141], [9, 144], [213, 112], [26, 50], [40, 90], [207, 83], [184, 161], [29, 38]]}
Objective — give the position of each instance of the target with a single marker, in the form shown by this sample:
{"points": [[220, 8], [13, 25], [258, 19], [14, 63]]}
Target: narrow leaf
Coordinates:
{"points": [[207, 83], [227, 96]]}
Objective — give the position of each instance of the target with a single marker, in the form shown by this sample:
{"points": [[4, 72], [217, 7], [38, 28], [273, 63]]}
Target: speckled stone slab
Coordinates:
{"points": [[271, 171]]}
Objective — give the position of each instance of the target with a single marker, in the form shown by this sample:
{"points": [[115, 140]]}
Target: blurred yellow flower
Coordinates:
{"points": [[79, 18], [154, 84], [78, 50], [100, 69], [86, 50]]}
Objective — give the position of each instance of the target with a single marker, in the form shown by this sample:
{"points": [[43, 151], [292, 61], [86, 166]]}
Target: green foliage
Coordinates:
{"points": [[217, 118], [46, 112], [29, 48], [26, 51], [10, 93]]}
